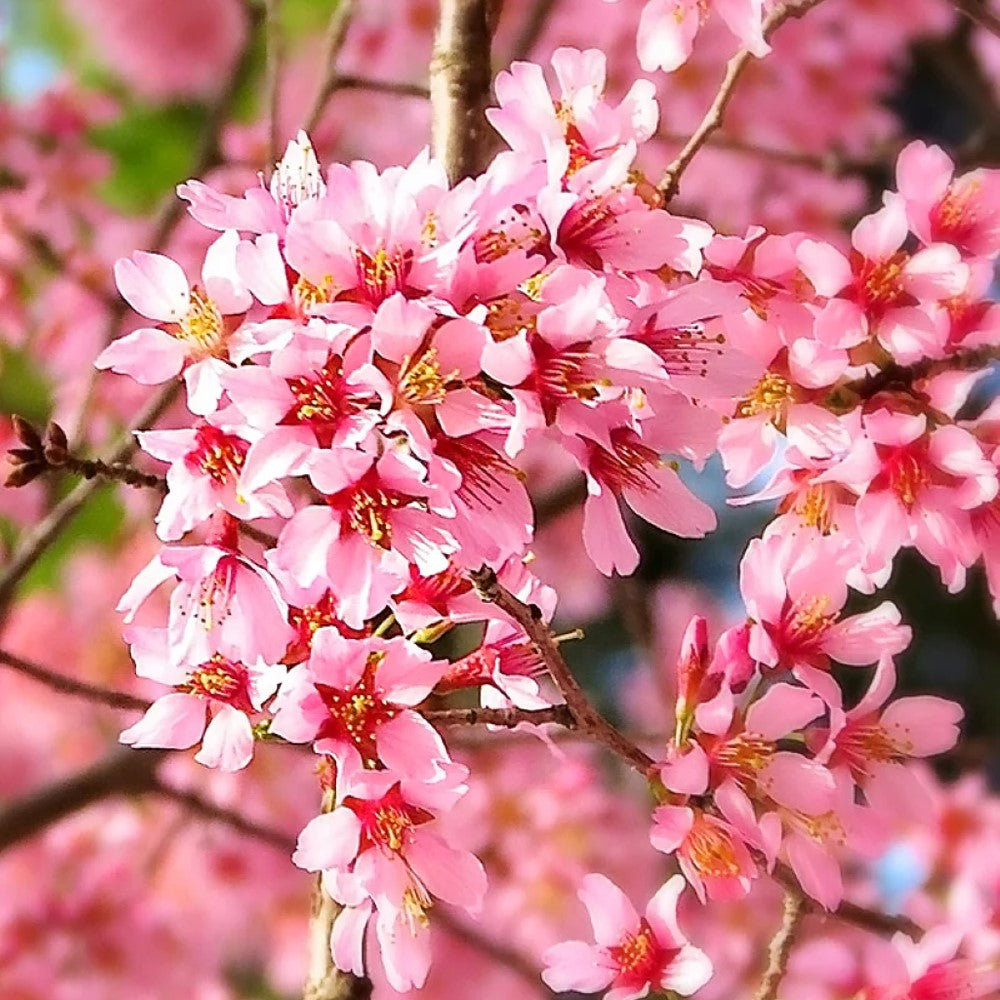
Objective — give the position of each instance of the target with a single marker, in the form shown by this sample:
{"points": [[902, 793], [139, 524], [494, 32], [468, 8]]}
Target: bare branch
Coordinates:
{"points": [[49, 528], [978, 11], [504, 956], [587, 718], [121, 772], [781, 945], [895, 376], [508, 718], [849, 913], [461, 76], [398, 88], [333, 42], [712, 122], [209, 810], [68, 685]]}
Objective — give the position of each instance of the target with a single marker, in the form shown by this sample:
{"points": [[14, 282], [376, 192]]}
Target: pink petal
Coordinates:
{"points": [[174, 722], [330, 840], [154, 286], [228, 741], [612, 914]]}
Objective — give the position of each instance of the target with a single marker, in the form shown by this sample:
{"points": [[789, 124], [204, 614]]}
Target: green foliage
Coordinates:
{"points": [[153, 149], [24, 389]]}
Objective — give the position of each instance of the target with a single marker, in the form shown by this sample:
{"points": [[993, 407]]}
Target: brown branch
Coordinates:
{"points": [[209, 152], [714, 117], [121, 772], [978, 11], [508, 718], [586, 717], [895, 376], [531, 31], [68, 685], [50, 527], [333, 43], [272, 81], [781, 945], [398, 88], [50, 452], [503, 955], [850, 913], [205, 808], [460, 76]]}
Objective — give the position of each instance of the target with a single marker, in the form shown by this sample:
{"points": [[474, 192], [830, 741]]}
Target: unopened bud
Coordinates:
{"points": [[692, 665]]}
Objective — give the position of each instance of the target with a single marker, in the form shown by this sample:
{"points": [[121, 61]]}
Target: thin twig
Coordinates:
{"points": [[272, 84], [538, 17], [460, 76], [714, 117], [832, 162], [333, 42], [781, 945], [198, 804], [503, 955], [507, 718], [50, 527], [398, 88], [68, 685], [587, 718], [850, 913], [896, 376], [978, 12]]}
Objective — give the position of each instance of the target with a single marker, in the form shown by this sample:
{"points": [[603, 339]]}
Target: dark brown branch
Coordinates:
{"points": [[508, 718], [781, 945], [587, 718], [333, 43], [978, 11], [398, 88], [850, 913], [461, 76], [714, 117], [122, 772], [895, 376], [50, 452], [209, 810], [68, 685], [49, 528]]}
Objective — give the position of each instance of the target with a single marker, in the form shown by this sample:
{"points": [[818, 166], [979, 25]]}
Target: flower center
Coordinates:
{"points": [[907, 476], [217, 454], [356, 714], [422, 381], [220, 680], [640, 957], [711, 849], [202, 327], [627, 467], [810, 619], [879, 283], [382, 273], [771, 395]]}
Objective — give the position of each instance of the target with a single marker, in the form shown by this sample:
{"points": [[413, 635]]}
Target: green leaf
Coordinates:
{"points": [[154, 149], [98, 523], [24, 388]]}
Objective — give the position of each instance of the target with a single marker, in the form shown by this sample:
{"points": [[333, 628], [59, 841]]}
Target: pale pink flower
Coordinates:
{"points": [[220, 692], [632, 954], [194, 328]]}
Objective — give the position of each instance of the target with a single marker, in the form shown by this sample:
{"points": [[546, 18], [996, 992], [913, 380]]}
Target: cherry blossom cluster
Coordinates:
{"points": [[366, 357]]}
